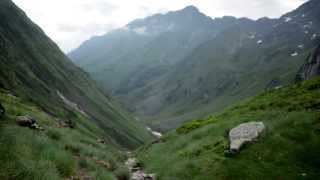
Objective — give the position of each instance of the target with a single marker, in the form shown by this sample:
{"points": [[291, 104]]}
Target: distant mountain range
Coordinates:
{"points": [[169, 68]]}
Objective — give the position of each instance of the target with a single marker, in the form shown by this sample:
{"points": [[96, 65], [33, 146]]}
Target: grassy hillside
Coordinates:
{"points": [[288, 149], [56, 153], [35, 69]]}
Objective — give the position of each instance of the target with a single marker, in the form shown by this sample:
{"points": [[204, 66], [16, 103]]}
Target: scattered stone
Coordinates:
{"points": [[301, 46], [140, 175], [28, 121], [313, 36], [2, 110], [137, 170], [294, 54], [259, 42], [244, 133], [131, 163]]}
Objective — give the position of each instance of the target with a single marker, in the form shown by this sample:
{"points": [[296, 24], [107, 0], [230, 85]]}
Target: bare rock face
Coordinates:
{"points": [[244, 133], [28, 121], [311, 68]]}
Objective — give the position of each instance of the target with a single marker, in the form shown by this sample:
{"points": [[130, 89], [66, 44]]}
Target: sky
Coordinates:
{"points": [[70, 22]]}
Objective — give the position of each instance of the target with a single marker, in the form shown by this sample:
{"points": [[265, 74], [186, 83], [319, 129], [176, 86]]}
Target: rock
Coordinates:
{"points": [[101, 141], [137, 170], [131, 163], [2, 110], [244, 133], [140, 175], [311, 68], [28, 121]]}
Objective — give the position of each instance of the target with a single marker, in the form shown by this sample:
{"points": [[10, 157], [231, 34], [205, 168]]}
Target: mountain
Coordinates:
{"points": [[145, 46], [311, 68], [169, 68], [288, 148], [34, 69]]}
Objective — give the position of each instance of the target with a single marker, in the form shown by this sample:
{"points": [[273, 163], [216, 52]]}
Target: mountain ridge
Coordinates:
{"points": [[174, 73]]}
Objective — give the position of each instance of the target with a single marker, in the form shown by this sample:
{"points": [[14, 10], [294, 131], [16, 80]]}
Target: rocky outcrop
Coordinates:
{"points": [[2, 110], [311, 68], [28, 121], [244, 133]]}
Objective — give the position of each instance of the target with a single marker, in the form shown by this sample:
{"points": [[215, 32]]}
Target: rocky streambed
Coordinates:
{"points": [[137, 172]]}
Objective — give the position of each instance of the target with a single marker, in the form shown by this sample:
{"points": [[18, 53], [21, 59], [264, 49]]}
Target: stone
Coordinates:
{"points": [[244, 133], [28, 121], [137, 172]]}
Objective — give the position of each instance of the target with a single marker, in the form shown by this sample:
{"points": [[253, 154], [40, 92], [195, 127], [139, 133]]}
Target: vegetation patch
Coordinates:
{"points": [[288, 149]]}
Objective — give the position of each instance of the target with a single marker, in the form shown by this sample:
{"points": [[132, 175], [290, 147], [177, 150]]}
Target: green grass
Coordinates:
{"points": [[56, 153], [288, 149]]}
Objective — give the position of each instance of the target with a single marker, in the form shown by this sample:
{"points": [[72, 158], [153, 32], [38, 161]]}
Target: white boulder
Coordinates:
{"points": [[244, 133]]}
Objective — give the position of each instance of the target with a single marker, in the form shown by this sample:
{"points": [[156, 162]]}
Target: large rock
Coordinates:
{"points": [[2, 110], [28, 121], [244, 133]]}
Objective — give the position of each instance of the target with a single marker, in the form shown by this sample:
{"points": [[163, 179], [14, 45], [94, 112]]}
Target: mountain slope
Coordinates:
{"points": [[311, 68], [200, 65], [34, 68], [121, 59], [288, 149], [238, 63], [57, 152]]}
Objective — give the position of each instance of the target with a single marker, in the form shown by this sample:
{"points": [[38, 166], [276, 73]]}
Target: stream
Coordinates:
{"points": [[136, 170]]}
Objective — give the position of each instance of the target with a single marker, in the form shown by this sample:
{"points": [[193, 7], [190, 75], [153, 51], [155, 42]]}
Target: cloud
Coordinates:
{"points": [[70, 22]]}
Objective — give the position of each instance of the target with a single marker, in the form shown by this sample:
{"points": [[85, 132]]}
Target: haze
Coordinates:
{"points": [[71, 22]]}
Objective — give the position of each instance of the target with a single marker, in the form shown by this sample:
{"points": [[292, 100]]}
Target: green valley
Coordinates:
{"points": [[178, 95]]}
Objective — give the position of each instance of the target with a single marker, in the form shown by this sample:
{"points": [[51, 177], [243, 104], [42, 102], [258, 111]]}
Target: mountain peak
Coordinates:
{"points": [[191, 8]]}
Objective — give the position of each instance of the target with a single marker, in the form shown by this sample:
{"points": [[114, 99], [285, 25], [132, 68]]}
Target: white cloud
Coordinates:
{"points": [[70, 22]]}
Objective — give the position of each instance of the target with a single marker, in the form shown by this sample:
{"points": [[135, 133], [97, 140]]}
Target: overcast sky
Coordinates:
{"points": [[70, 22]]}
